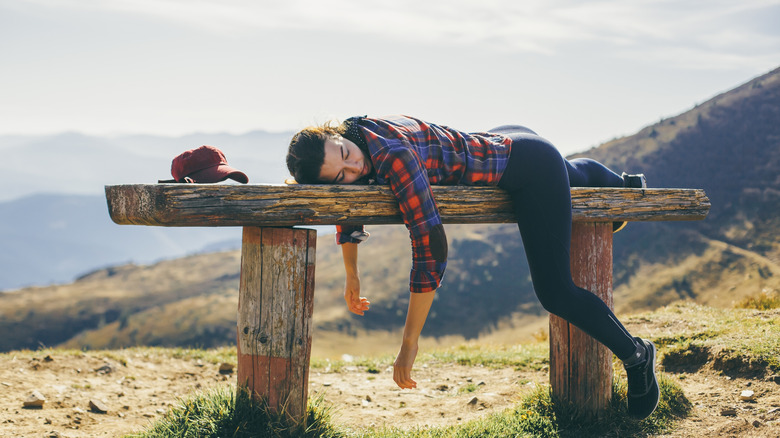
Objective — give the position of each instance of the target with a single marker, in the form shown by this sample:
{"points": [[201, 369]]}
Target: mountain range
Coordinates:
{"points": [[729, 146], [54, 223]]}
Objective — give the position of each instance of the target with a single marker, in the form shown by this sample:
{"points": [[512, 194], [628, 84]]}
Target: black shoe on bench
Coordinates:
{"points": [[643, 390], [637, 181]]}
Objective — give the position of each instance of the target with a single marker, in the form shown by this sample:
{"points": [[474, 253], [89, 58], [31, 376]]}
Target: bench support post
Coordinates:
{"points": [[580, 367], [275, 303]]}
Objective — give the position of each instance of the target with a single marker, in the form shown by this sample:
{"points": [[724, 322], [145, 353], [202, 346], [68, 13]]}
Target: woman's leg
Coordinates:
{"points": [[537, 178], [584, 172]]}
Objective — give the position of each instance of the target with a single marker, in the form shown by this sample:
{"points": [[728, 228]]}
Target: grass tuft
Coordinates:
{"points": [[566, 421], [225, 412]]}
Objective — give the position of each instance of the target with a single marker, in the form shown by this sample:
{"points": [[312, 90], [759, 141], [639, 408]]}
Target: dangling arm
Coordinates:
{"points": [[355, 303], [410, 185], [419, 305]]}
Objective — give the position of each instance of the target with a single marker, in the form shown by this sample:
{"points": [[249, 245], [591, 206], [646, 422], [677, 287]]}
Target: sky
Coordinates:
{"points": [[577, 72]]}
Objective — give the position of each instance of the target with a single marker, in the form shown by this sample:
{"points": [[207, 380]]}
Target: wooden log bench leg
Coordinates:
{"points": [[275, 303], [580, 367]]}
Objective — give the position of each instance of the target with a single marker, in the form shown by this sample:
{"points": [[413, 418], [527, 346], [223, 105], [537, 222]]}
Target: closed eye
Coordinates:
{"points": [[340, 176]]}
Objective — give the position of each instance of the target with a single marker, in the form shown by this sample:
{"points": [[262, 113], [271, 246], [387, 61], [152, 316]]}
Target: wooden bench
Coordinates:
{"points": [[277, 264]]}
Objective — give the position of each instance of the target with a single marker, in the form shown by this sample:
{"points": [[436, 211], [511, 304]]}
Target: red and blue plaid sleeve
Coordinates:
{"points": [[426, 274], [409, 183]]}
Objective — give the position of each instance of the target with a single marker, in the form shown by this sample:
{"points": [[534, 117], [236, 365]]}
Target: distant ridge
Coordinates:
{"points": [[729, 146]]}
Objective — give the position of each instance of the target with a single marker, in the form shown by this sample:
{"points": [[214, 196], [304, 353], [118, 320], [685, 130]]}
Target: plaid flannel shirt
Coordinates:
{"points": [[411, 155]]}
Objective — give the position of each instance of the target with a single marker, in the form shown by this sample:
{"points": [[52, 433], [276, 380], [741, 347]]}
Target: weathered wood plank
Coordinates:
{"points": [[289, 205]]}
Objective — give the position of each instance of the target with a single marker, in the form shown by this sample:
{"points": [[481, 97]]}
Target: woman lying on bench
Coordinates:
{"points": [[410, 155]]}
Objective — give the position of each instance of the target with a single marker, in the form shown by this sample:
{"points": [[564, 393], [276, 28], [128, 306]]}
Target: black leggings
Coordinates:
{"points": [[538, 180]]}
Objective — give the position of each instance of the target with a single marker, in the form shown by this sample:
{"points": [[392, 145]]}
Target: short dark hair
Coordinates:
{"points": [[307, 152]]}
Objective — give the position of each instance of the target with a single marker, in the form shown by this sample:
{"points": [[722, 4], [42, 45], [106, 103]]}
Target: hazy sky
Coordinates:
{"points": [[578, 72]]}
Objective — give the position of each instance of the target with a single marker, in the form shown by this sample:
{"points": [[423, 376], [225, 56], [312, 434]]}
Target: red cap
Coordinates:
{"points": [[205, 164]]}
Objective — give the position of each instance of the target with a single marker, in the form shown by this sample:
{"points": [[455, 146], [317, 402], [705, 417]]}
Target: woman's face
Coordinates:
{"points": [[344, 162]]}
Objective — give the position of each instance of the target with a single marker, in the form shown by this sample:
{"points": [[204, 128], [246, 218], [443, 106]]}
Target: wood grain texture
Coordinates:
{"points": [[581, 367], [209, 205], [276, 296]]}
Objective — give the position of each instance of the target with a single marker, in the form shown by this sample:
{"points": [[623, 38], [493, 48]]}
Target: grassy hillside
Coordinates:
{"points": [[192, 301], [116, 297]]}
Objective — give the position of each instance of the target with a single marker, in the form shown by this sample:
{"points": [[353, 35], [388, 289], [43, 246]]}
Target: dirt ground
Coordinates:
{"points": [[136, 389]]}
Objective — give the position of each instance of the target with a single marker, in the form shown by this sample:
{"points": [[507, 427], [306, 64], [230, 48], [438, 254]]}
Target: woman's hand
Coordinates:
{"points": [[419, 305], [402, 367], [355, 303]]}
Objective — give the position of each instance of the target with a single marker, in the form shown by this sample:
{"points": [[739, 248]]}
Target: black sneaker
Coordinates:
{"points": [[637, 181], [643, 391]]}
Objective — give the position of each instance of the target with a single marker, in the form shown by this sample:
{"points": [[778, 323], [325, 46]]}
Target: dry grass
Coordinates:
{"points": [[767, 299], [739, 341]]}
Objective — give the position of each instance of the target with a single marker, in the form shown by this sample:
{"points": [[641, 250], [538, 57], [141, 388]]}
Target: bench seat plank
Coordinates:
{"points": [[199, 205]]}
